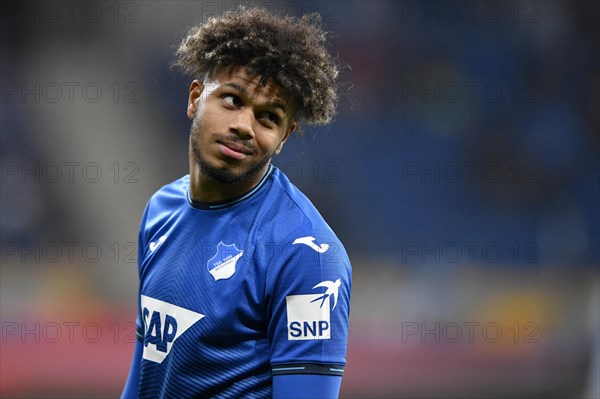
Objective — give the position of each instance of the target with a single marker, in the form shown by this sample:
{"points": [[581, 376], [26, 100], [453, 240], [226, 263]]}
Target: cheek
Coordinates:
{"points": [[270, 142], [210, 120], [203, 122], [196, 128]]}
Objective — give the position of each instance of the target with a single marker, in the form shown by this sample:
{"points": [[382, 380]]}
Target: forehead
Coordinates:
{"points": [[237, 76]]}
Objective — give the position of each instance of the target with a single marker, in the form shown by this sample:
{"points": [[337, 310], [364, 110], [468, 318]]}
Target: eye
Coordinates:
{"points": [[232, 100], [270, 117]]}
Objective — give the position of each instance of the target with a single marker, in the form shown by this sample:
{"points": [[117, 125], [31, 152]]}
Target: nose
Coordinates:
{"points": [[241, 124]]}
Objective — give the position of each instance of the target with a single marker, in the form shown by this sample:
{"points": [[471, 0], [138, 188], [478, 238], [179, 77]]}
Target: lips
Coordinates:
{"points": [[234, 150]]}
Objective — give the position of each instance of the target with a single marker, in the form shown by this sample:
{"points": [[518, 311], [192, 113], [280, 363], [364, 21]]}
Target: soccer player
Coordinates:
{"points": [[244, 288]]}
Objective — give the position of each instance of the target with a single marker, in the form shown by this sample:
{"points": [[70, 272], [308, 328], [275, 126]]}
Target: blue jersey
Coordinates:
{"points": [[234, 293]]}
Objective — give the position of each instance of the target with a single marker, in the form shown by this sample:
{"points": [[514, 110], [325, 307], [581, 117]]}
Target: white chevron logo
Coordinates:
{"points": [[309, 241], [154, 245]]}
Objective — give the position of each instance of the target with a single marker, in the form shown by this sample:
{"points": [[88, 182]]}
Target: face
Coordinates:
{"points": [[237, 125]]}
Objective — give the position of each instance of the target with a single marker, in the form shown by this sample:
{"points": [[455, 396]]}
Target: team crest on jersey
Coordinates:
{"points": [[222, 265], [163, 324], [308, 315]]}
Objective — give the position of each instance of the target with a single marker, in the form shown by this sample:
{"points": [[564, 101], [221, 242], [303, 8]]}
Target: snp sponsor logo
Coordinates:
{"points": [[163, 324], [309, 315]]}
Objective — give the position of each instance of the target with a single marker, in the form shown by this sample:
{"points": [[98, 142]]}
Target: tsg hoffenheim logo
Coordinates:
{"points": [[163, 324], [308, 316], [222, 265]]}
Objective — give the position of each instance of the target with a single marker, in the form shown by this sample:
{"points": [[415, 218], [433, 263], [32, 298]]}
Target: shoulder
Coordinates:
{"points": [[296, 231], [171, 194], [165, 201], [175, 190], [290, 212]]}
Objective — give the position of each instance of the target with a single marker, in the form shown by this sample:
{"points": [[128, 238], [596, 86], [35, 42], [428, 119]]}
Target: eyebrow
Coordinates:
{"points": [[244, 92]]}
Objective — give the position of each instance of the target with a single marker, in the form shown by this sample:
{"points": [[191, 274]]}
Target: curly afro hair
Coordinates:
{"points": [[290, 51]]}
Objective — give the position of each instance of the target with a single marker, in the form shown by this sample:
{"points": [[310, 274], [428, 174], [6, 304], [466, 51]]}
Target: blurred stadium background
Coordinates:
{"points": [[461, 173]]}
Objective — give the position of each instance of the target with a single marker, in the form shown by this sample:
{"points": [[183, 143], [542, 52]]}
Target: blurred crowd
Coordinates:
{"points": [[456, 124], [461, 172]]}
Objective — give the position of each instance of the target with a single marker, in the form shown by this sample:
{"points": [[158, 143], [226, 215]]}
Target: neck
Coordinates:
{"points": [[204, 188]]}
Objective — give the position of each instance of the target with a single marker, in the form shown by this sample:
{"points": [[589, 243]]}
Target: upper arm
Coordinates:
{"points": [[309, 284]]}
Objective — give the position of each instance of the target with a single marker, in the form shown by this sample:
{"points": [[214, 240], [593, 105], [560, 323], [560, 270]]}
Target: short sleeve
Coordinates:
{"points": [[308, 294]]}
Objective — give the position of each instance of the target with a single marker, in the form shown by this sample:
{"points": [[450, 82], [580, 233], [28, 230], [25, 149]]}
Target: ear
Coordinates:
{"points": [[196, 89], [289, 130]]}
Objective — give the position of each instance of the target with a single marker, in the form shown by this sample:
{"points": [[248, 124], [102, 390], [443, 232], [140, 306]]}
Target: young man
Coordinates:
{"points": [[244, 288]]}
